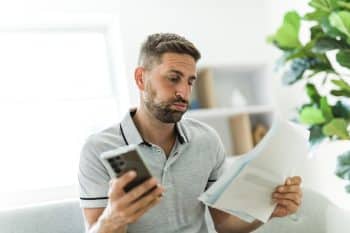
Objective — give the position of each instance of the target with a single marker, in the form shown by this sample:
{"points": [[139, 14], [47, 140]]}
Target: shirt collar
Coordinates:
{"points": [[181, 132], [131, 134]]}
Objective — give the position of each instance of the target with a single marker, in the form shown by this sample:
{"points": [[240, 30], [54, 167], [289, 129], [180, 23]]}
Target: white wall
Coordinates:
{"points": [[226, 32], [230, 32], [35, 6]]}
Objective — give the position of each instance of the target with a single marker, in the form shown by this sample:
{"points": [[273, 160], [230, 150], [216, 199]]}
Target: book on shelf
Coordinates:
{"points": [[245, 136], [205, 89], [241, 133], [259, 132]]}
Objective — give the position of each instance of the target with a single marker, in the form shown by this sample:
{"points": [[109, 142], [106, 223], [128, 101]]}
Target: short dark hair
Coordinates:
{"points": [[158, 44]]}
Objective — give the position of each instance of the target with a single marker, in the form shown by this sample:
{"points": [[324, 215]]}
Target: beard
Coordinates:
{"points": [[162, 110]]}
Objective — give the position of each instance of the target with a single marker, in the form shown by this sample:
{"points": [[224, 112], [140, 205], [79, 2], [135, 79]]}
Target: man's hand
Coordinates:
{"points": [[125, 208], [288, 197]]}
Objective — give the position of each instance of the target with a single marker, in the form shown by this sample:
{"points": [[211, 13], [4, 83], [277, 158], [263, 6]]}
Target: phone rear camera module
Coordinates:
{"points": [[114, 164]]}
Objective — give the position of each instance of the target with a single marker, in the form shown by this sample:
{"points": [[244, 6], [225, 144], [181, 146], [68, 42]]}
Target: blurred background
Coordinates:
{"points": [[66, 71]]}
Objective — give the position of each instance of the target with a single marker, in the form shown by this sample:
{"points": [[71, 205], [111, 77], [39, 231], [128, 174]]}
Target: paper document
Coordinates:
{"points": [[245, 189]]}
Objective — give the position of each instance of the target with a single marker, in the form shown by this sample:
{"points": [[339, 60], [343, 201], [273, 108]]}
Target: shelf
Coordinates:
{"points": [[225, 112], [219, 119], [219, 85]]}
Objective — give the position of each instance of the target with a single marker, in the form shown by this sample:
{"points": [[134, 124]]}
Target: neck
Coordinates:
{"points": [[153, 130]]}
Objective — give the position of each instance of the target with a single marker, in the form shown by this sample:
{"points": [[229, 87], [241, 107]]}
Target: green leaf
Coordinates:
{"points": [[311, 116], [344, 88], [287, 36], [316, 15], [341, 21], [326, 109], [343, 166], [340, 93], [322, 5], [295, 71], [330, 30], [337, 127], [343, 58], [296, 53], [321, 63], [313, 93], [333, 4], [341, 110], [316, 31], [342, 84], [345, 5], [316, 135], [325, 44]]}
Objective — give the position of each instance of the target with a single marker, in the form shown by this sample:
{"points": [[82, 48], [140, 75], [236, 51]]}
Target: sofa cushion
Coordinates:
{"points": [[54, 217], [310, 218]]}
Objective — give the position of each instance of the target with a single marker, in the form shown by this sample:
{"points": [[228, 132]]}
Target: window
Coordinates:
{"points": [[57, 86]]}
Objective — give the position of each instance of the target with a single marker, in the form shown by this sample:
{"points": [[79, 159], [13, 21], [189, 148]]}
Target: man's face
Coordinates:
{"points": [[168, 87]]}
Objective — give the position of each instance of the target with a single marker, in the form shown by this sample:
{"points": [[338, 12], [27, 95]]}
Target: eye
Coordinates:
{"points": [[191, 81], [174, 78]]}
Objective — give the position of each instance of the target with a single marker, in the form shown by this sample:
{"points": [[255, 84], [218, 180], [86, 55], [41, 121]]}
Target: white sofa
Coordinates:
{"points": [[317, 215], [54, 217]]}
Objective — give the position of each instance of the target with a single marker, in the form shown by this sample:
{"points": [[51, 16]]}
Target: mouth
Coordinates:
{"points": [[180, 106]]}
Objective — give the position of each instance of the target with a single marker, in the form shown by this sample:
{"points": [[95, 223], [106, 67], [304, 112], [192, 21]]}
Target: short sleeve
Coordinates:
{"points": [[220, 158], [93, 177]]}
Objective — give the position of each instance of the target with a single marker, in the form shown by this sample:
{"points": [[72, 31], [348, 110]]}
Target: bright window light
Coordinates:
{"points": [[55, 90]]}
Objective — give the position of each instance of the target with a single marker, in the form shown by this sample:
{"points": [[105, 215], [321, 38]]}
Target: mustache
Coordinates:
{"points": [[179, 100]]}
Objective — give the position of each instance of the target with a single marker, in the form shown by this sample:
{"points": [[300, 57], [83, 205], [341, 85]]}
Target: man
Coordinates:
{"points": [[185, 156]]}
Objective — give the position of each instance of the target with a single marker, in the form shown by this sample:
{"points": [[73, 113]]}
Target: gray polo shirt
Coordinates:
{"points": [[195, 162]]}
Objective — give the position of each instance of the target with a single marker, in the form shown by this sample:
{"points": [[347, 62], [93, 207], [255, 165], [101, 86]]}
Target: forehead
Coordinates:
{"points": [[181, 62]]}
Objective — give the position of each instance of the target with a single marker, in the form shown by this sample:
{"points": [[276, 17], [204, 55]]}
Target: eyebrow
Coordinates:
{"points": [[181, 74]]}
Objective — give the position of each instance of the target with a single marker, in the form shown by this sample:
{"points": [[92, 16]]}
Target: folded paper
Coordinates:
{"points": [[245, 189]]}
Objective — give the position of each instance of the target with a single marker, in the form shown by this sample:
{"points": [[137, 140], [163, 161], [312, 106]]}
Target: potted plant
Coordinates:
{"points": [[323, 64]]}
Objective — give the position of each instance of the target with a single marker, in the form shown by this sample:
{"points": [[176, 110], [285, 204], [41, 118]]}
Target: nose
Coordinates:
{"points": [[183, 91]]}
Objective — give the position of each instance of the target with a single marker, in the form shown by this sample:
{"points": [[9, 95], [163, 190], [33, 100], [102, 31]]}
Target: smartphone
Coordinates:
{"points": [[125, 159]]}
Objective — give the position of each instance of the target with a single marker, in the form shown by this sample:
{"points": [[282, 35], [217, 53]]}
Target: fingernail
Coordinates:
{"points": [[132, 173], [280, 189], [154, 181], [288, 182]]}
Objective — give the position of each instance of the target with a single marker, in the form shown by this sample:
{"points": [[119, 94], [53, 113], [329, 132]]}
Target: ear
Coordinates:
{"points": [[139, 76]]}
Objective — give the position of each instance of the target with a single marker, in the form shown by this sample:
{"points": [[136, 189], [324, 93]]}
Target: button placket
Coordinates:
{"points": [[173, 158]]}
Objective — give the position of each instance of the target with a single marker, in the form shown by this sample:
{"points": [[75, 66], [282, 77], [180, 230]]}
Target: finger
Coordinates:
{"points": [[141, 212], [288, 189], [289, 205], [117, 185], [296, 198], [280, 211], [137, 192], [144, 201], [295, 180]]}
